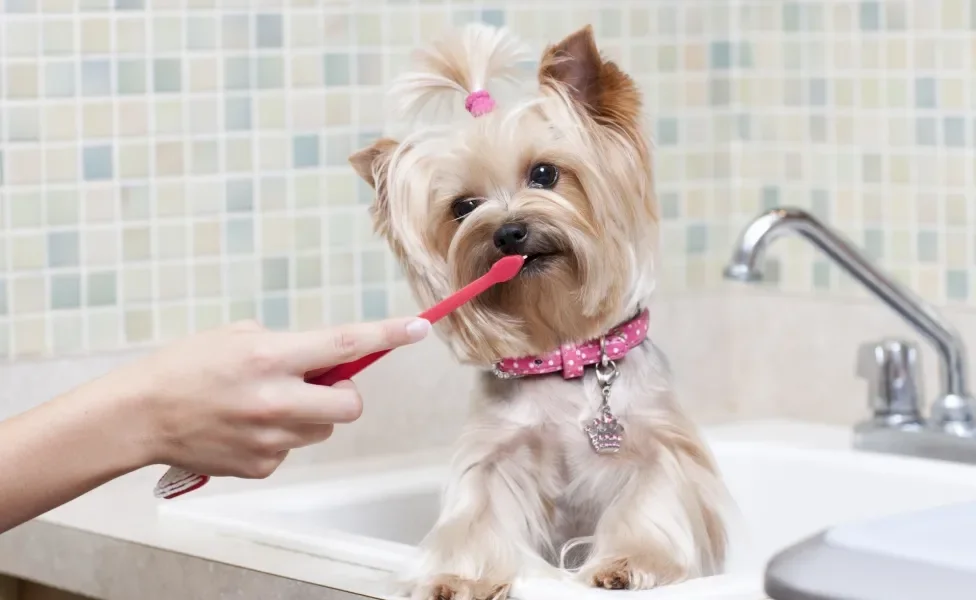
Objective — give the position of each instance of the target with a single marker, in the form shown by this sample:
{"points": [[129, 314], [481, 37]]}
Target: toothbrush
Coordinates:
{"points": [[176, 482]]}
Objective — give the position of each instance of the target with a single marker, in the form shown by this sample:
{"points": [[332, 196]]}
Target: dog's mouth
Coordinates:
{"points": [[537, 263]]}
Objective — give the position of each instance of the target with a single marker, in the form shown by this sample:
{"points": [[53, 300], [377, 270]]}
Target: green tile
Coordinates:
{"points": [[275, 313], [308, 272], [696, 239], [957, 285], [269, 31], [62, 249], [167, 75], [101, 288], [274, 274], [374, 305], [65, 291]]}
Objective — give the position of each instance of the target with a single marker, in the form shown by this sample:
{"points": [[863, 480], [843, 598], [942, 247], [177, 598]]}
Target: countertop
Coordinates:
{"points": [[111, 544]]}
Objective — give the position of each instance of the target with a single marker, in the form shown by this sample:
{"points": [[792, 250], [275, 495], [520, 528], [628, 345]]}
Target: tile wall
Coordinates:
{"points": [[169, 165]]}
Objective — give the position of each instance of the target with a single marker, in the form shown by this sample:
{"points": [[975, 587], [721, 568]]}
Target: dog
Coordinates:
{"points": [[574, 432]]}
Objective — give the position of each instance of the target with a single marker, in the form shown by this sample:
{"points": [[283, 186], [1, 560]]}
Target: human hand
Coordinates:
{"points": [[233, 401]]}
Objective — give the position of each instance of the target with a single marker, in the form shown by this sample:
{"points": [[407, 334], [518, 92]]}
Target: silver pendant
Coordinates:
{"points": [[605, 432]]}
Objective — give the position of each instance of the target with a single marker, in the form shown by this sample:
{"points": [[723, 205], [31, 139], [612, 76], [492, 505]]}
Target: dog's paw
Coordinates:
{"points": [[636, 573], [452, 587]]}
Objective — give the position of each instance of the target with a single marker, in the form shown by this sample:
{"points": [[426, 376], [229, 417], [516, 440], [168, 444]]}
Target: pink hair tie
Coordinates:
{"points": [[479, 102]]}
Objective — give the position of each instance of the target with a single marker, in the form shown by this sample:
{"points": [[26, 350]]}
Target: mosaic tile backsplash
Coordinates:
{"points": [[170, 165]]}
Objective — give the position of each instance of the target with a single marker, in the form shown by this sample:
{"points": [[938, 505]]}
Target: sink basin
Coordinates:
{"points": [[789, 480]]}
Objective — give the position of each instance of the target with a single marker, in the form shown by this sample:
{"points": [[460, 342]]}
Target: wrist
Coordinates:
{"points": [[119, 411]]}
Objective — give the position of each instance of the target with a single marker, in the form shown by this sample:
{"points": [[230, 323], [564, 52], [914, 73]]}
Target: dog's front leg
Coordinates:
{"points": [[661, 521], [495, 517]]}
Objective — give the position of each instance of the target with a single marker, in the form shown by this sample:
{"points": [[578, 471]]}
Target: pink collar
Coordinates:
{"points": [[571, 359]]}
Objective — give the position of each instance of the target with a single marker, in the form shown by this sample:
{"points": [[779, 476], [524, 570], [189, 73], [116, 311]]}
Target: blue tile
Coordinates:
{"points": [[791, 17], [818, 128], [874, 244], [611, 22], [870, 15], [744, 55], [818, 92], [62, 249], [305, 149], [237, 114], [240, 195], [274, 274], [131, 77], [374, 305], [335, 69], [20, 6], [96, 78], [364, 193], [167, 75], [770, 197], [670, 205], [696, 239], [237, 73], [59, 80], [821, 275], [720, 55], [201, 33], [96, 162], [954, 131], [4, 308], [269, 31], [338, 148], [928, 246], [957, 285], [493, 16], [239, 234], [271, 72], [101, 288], [719, 92], [667, 132], [65, 291], [743, 127], [925, 95], [129, 4], [925, 131], [820, 204], [276, 313]]}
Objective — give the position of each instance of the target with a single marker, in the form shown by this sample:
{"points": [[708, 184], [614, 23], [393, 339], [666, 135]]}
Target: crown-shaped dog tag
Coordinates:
{"points": [[605, 432]]}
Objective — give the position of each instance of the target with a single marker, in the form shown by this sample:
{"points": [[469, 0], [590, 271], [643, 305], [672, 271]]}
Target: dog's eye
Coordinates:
{"points": [[462, 207], [543, 175]]}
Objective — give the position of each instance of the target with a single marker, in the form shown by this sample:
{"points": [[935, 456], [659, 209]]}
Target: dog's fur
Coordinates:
{"points": [[525, 479]]}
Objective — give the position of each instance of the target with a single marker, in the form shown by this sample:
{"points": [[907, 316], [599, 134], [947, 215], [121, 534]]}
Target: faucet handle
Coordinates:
{"points": [[892, 369]]}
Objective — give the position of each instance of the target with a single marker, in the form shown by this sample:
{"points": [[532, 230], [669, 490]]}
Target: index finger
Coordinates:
{"points": [[326, 348]]}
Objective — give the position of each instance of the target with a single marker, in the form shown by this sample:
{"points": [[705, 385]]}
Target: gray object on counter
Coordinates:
{"points": [[925, 555]]}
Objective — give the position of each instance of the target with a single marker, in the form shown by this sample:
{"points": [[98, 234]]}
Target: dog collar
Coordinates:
{"points": [[572, 359]]}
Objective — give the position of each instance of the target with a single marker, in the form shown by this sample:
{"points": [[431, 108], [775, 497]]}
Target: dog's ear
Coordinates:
{"points": [[371, 161], [371, 164], [597, 85]]}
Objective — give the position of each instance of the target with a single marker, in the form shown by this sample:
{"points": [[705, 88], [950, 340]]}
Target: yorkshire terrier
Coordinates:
{"points": [[575, 432]]}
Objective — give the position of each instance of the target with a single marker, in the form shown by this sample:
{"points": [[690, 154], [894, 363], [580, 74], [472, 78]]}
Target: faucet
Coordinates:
{"points": [[896, 425]]}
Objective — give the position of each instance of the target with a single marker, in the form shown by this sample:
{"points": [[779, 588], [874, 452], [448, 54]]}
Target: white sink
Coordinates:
{"points": [[789, 481]]}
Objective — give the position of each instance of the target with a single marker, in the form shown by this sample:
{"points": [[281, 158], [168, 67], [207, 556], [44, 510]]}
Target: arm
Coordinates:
{"points": [[66, 447], [232, 401]]}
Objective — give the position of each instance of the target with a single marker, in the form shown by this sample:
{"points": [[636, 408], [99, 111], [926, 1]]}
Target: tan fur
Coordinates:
{"points": [[524, 477]]}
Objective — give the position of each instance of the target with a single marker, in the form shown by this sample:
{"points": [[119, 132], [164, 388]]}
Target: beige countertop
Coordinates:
{"points": [[112, 544]]}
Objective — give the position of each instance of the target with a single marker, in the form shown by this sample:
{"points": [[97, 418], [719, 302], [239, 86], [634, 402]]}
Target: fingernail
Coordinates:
{"points": [[418, 329]]}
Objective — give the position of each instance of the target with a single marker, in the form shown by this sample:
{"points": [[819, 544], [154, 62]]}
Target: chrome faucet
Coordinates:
{"points": [[891, 366]]}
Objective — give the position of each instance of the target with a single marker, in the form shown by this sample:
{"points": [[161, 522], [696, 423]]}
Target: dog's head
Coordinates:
{"points": [[563, 178]]}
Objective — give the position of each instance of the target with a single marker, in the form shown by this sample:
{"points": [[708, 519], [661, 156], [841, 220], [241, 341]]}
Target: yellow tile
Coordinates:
{"points": [[97, 119], [104, 330], [897, 54], [168, 116], [952, 93], [238, 156], [171, 241], [27, 252], [954, 15], [137, 284], [203, 74], [170, 199], [23, 166], [28, 295], [957, 255], [133, 117], [207, 237], [927, 209], [173, 321], [133, 161], [61, 164], [96, 36], [338, 110], [173, 281], [130, 35], [274, 152], [21, 81], [207, 282], [207, 316], [30, 337], [169, 159], [101, 247], [954, 171], [275, 235]]}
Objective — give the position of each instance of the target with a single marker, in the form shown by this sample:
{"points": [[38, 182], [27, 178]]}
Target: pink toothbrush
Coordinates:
{"points": [[176, 482]]}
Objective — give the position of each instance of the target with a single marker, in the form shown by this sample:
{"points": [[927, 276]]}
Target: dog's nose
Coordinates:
{"points": [[510, 238]]}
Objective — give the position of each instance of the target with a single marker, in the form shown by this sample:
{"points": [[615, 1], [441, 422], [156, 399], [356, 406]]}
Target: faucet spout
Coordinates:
{"points": [[955, 409]]}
